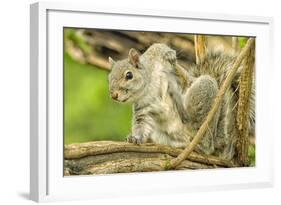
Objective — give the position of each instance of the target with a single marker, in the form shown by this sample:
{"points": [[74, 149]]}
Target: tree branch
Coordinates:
{"points": [[245, 82], [235, 44], [101, 157], [200, 48]]}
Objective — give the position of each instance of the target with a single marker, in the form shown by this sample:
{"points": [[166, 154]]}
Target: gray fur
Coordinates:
{"points": [[165, 112]]}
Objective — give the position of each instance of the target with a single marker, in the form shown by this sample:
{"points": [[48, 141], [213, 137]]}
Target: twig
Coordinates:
{"points": [[200, 48], [235, 44]]}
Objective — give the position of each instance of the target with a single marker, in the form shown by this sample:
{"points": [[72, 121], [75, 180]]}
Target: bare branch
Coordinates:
{"points": [[200, 48], [112, 157], [235, 44], [245, 82]]}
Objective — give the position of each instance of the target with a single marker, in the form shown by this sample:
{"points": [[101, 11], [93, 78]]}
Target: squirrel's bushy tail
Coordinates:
{"points": [[217, 65]]}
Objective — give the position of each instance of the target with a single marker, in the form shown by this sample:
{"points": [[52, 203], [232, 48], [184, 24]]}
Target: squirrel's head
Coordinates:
{"points": [[126, 79]]}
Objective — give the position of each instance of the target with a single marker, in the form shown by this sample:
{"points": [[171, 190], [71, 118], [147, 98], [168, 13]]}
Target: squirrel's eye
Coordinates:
{"points": [[129, 75]]}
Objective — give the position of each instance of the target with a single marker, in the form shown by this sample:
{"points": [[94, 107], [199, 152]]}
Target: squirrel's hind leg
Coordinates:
{"points": [[198, 101]]}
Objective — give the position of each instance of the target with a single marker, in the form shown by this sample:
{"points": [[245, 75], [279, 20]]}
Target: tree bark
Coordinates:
{"points": [[245, 83], [104, 157]]}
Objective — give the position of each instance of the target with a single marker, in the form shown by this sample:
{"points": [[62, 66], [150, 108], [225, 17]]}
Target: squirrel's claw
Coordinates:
{"points": [[135, 139], [171, 57]]}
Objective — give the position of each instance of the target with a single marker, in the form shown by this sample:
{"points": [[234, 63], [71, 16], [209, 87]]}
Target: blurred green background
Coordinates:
{"points": [[89, 113]]}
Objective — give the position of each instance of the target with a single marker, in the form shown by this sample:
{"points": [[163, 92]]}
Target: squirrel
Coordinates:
{"points": [[170, 102]]}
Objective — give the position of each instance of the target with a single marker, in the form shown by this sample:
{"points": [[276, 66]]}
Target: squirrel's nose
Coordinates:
{"points": [[114, 95]]}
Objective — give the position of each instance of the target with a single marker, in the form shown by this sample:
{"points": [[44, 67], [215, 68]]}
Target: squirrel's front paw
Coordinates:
{"points": [[135, 139], [170, 56]]}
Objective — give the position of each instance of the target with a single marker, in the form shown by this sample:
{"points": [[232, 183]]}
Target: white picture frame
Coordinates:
{"points": [[47, 182]]}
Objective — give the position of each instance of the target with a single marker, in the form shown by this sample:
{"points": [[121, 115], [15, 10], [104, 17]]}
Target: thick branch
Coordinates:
{"points": [[112, 157], [124, 162], [184, 155], [245, 90]]}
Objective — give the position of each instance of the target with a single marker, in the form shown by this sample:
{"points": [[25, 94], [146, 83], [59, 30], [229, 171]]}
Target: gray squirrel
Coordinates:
{"points": [[170, 103]]}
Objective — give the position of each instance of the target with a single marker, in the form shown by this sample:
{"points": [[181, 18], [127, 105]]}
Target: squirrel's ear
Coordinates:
{"points": [[111, 61], [134, 57]]}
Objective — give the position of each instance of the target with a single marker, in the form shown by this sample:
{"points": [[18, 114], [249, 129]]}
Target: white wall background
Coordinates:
{"points": [[14, 101]]}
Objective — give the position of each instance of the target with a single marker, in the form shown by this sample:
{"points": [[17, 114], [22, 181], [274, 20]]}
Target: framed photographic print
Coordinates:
{"points": [[123, 97]]}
